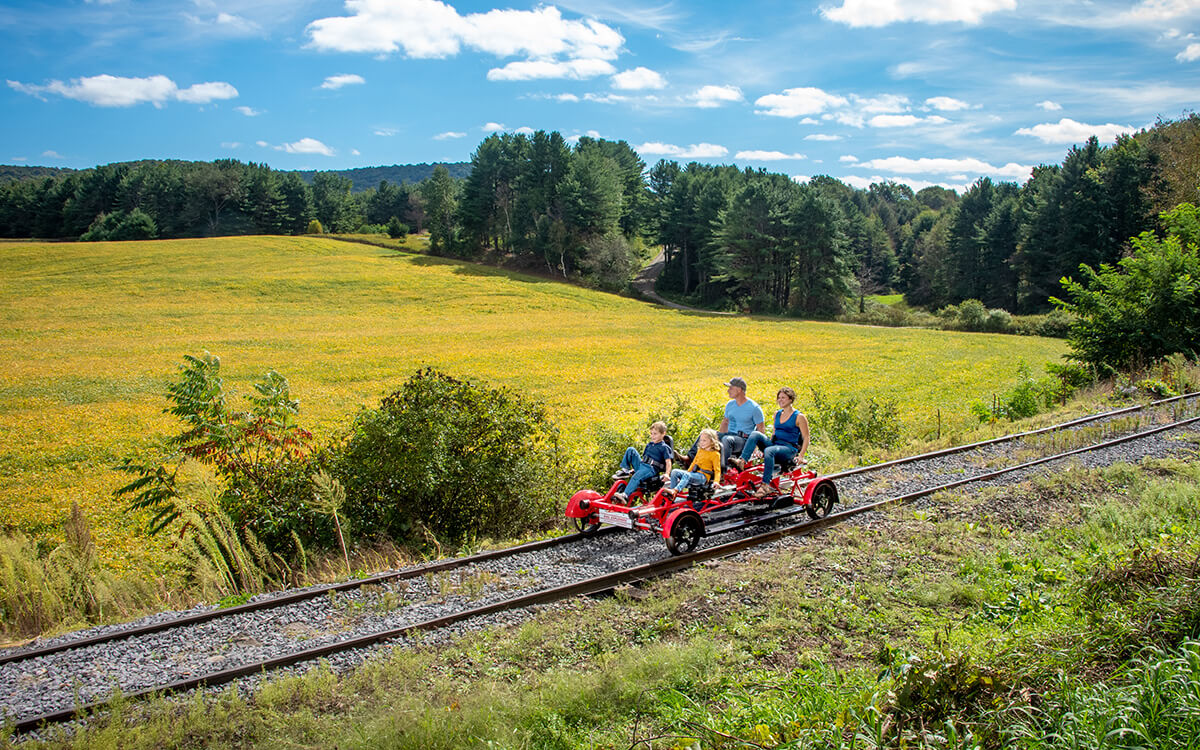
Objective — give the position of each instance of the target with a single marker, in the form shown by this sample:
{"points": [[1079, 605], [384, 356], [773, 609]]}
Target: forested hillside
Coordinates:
{"points": [[743, 239], [366, 178]]}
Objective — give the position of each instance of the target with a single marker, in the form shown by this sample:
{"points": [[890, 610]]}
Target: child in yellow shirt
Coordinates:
{"points": [[706, 467]]}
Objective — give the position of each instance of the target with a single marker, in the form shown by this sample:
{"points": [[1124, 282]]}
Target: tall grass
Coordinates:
{"points": [[43, 590], [1154, 703]]}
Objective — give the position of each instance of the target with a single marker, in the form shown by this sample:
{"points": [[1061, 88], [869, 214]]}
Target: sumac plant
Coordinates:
{"points": [[260, 456]]}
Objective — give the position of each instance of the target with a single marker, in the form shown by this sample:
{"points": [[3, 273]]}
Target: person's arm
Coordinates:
{"points": [[667, 470], [802, 423], [761, 419], [724, 426]]}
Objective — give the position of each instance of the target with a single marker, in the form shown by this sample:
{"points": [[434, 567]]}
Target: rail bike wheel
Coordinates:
{"points": [[823, 499], [685, 534], [587, 525]]}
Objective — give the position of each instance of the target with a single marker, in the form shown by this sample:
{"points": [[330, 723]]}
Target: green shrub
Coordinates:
{"points": [[314, 227], [1025, 400], [457, 458], [121, 226], [852, 424], [999, 321], [396, 229], [972, 315], [1146, 307], [371, 229]]}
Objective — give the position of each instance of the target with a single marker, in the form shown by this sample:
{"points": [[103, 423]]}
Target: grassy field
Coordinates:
{"points": [[91, 332]]}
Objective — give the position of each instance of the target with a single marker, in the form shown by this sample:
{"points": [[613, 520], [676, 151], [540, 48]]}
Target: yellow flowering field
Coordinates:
{"points": [[91, 332]]}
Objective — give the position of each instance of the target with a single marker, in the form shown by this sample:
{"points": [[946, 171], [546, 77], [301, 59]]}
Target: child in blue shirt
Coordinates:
{"points": [[655, 459]]}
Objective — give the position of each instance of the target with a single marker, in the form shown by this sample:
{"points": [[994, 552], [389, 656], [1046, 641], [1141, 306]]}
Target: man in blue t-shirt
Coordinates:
{"points": [[742, 417]]}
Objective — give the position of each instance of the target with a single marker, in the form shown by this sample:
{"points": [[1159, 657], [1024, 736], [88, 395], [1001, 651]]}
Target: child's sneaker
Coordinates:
{"points": [[621, 498]]}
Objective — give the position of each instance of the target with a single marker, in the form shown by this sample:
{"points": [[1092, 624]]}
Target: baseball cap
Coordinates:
{"points": [[739, 382]]}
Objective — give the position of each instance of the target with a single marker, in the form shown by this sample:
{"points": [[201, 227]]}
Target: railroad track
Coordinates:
{"points": [[589, 585]]}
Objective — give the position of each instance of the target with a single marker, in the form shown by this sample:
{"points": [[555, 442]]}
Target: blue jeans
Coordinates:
{"points": [[771, 453], [641, 470], [731, 443], [681, 478]]}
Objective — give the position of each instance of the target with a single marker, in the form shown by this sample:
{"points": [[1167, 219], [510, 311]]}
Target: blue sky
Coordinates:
{"points": [[920, 91]]}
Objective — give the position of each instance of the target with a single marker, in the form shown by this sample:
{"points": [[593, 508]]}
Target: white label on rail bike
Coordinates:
{"points": [[616, 518]]}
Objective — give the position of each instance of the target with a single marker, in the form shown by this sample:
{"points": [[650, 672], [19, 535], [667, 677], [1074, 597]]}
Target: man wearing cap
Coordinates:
{"points": [[742, 417]]}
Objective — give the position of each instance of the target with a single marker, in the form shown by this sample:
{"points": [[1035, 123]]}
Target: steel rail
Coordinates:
{"points": [[1006, 438], [296, 596], [594, 585]]}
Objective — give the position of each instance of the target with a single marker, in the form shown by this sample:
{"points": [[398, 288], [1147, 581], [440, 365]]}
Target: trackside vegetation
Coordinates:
{"points": [[1059, 613]]}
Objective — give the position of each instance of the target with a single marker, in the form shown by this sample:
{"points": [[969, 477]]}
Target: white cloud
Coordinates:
{"points": [[694, 151], [433, 29], [573, 139], [566, 98], [911, 68], [496, 127], [226, 24], [1049, 106], [51, 154], [822, 137], [858, 13], [798, 102], [306, 146], [230, 144], [202, 93], [946, 103], [387, 132], [863, 183], [905, 121], [925, 165], [767, 156], [637, 79], [1152, 14], [1067, 130], [894, 121], [449, 134], [1190, 54], [237, 24], [883, 103], [605, 98], [262, 144], [116, 91], [355, 152], [342, 79], [249, 111], [527, 70], [848, 159], [710, 97], [809, 121]]}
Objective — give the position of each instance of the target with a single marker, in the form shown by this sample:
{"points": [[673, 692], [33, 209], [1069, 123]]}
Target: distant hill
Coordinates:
{"points": [[361, 178], [10, 172], [397, 174]]}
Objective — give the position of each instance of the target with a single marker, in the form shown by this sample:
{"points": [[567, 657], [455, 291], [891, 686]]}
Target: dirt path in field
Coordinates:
{"points": [[644, 283]]}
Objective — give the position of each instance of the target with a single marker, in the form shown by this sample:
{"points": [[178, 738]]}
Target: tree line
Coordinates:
{"points": [[172, 199], [735, 238]]}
